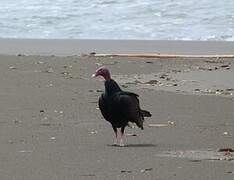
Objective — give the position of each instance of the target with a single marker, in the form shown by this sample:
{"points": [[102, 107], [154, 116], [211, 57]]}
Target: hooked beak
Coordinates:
{"points": [[94, 75]]}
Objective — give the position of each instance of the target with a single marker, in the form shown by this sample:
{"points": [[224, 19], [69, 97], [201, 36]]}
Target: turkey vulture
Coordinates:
{"points": [[119, 107]]}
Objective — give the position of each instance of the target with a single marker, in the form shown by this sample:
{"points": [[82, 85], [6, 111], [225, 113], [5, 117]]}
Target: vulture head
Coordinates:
{"points": [[104, 72]]}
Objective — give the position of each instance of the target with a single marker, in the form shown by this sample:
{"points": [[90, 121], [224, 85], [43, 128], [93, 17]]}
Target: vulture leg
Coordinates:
{"points": [[121, 143], [116, 135]]}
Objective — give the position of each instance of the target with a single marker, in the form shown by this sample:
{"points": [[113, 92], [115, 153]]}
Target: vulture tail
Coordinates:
{"points": [[146, 113]]}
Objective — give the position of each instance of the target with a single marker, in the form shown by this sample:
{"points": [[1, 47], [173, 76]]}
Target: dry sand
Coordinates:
{"points": [[50, 127]]}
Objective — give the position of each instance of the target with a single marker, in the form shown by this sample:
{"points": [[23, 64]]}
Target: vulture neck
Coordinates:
{"points": [[111, 87]]}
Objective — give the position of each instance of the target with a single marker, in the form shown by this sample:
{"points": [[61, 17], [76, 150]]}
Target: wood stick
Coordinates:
{"points": [[155, 55]]}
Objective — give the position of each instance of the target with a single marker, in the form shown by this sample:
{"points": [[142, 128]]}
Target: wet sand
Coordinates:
{"points": [[65, 47], [50, 127]]}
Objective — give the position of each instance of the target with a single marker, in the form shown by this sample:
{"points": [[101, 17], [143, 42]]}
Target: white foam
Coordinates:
{"points": [[118, 19]]}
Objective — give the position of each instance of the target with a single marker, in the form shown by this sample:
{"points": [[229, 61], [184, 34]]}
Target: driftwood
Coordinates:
{"points": [[155, 55]]}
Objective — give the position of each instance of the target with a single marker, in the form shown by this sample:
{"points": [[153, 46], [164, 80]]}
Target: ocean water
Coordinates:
{"points": [[118, 19]]}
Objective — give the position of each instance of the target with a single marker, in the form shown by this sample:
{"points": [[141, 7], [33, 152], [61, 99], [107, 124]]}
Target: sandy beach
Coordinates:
{"points": [[51, 127]]}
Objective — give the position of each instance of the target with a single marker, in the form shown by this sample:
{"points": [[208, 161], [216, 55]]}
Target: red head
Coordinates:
{"points": [[102, 71]]}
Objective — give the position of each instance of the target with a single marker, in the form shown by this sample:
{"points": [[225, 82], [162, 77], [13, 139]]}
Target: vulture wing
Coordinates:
{"points": [[125, 107]]}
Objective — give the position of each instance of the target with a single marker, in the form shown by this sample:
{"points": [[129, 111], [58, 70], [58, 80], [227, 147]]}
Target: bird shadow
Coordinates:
{"points": [[140, 145], [134, 145]]}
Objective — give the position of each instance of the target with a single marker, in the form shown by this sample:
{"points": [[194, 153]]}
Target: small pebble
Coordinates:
{"points": [[225, 133], [145, 170], [50, 70], [52, 138], [12, 67], [93, 132]]}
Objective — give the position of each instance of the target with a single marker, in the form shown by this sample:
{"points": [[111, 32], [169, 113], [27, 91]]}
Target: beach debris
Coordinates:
{"points": [[224, 66], [197, 90], [175, 70], [49, 70], [158, 55], [131, 134], [52, 138], [20, 55], [218, 92], [146, 170], [42, 111], [209, 91], [226, 150], [214, 61], [124, 86], [230, 89], [126, 171], [149, 62], [171, 84], [151, 82], [93, 132], [226, 92], [46, 124], [92, 53], [230, 172], [199, 155], [49, 85], [88, 175], [12, 67], [168, 79], [226, 134], [169, 123], [195, 160], [16, 121], [66, 73], [40, 62], [99, 90], [98, 64], [158, 125], [163, 76], [135, 82], [228, 154], [11, 142], [207, 68], [67, 66], [25, 151]]}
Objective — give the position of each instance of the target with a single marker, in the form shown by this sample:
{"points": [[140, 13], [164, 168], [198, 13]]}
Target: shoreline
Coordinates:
{"points": [[68, 47]]}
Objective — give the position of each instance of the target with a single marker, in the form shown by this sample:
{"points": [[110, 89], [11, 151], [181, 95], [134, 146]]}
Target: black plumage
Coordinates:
{"points": [[119, 107]]}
